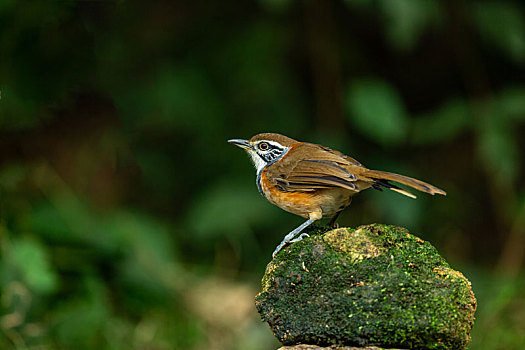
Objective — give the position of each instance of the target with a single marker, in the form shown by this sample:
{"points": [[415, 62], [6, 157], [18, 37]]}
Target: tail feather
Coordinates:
{"points": [[382, 178]]}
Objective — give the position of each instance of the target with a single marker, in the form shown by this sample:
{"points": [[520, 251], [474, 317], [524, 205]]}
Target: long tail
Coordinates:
{"points": [[383, 178]]}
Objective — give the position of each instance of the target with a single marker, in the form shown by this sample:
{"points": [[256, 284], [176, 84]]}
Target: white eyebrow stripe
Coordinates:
{"points": [[276, 144]]}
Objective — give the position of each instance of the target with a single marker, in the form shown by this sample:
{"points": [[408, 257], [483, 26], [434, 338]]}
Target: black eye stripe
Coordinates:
{"points": [[272, 153]]}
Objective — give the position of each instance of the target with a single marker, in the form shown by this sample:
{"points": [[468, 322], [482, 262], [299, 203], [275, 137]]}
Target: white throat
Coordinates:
{"points": [[257, 161]]}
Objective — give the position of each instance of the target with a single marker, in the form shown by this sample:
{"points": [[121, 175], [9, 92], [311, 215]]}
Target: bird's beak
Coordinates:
{"points": [[241, 143]]}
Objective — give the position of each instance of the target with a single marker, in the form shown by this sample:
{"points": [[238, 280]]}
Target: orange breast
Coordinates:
{"points": [[329, 201]]}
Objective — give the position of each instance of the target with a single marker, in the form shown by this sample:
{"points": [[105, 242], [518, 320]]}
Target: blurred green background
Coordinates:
{"points": [[128, 222]]}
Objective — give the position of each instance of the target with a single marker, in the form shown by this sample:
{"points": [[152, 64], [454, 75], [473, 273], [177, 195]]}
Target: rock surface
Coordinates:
{"points": [[315, 347], [376, 285]]}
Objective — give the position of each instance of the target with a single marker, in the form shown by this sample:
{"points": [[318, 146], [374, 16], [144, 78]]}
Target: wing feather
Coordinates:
{"points": [[322, 168], [312, 167]]}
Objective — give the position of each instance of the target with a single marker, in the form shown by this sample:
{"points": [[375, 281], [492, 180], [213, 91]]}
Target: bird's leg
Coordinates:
{"points": [[332, 223], [289, 237]]}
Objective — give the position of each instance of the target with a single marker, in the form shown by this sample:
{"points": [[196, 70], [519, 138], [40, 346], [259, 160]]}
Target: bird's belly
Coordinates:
{"points": [[330, 201]]}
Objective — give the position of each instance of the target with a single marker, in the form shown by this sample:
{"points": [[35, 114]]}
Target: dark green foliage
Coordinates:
{"points": [[377, 285]]}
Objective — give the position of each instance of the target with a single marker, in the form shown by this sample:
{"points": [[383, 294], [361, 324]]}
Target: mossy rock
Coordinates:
{"points": [[376, 285], [315, 347]]}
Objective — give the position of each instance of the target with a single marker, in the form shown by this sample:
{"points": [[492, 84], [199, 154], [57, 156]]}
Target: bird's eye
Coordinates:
{"points": [[263, 146]]}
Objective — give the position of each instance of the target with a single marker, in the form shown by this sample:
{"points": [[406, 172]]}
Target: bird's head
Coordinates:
{"points": [[265, 149]]}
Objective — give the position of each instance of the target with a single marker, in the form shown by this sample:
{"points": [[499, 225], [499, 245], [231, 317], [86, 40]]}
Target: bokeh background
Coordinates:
{"points": [[128, 222]]}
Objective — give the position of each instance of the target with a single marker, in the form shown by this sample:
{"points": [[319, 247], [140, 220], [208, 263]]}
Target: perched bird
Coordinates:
{"points": [[314, 181]]}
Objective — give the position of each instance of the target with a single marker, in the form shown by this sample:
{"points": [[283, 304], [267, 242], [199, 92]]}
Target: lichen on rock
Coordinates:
{"points": [[376, 285]]}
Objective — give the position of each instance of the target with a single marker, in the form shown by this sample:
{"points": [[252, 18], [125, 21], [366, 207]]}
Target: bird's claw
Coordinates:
{"points": [[300, 238], [280, 246]]}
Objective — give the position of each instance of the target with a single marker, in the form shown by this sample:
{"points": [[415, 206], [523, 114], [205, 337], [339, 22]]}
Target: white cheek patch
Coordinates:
{"points": [[272, 155], [257, 161]]}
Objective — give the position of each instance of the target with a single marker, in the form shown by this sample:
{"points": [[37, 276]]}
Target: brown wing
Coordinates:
{"points": [[311, 167]]}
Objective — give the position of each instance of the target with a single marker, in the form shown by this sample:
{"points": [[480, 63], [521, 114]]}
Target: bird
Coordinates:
{"points": [[314, 181]]}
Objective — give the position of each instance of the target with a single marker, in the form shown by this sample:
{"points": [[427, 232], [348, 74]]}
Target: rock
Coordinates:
{"points": [[376, 285], [315, 347]]}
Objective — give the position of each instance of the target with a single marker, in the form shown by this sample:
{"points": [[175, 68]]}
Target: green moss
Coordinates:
{"points": [[376, 285]]}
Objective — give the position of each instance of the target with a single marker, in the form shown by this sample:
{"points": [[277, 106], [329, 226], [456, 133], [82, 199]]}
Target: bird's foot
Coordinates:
{"points": [[285, 242], [300, 238], [279, 247], [289, 238]]}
